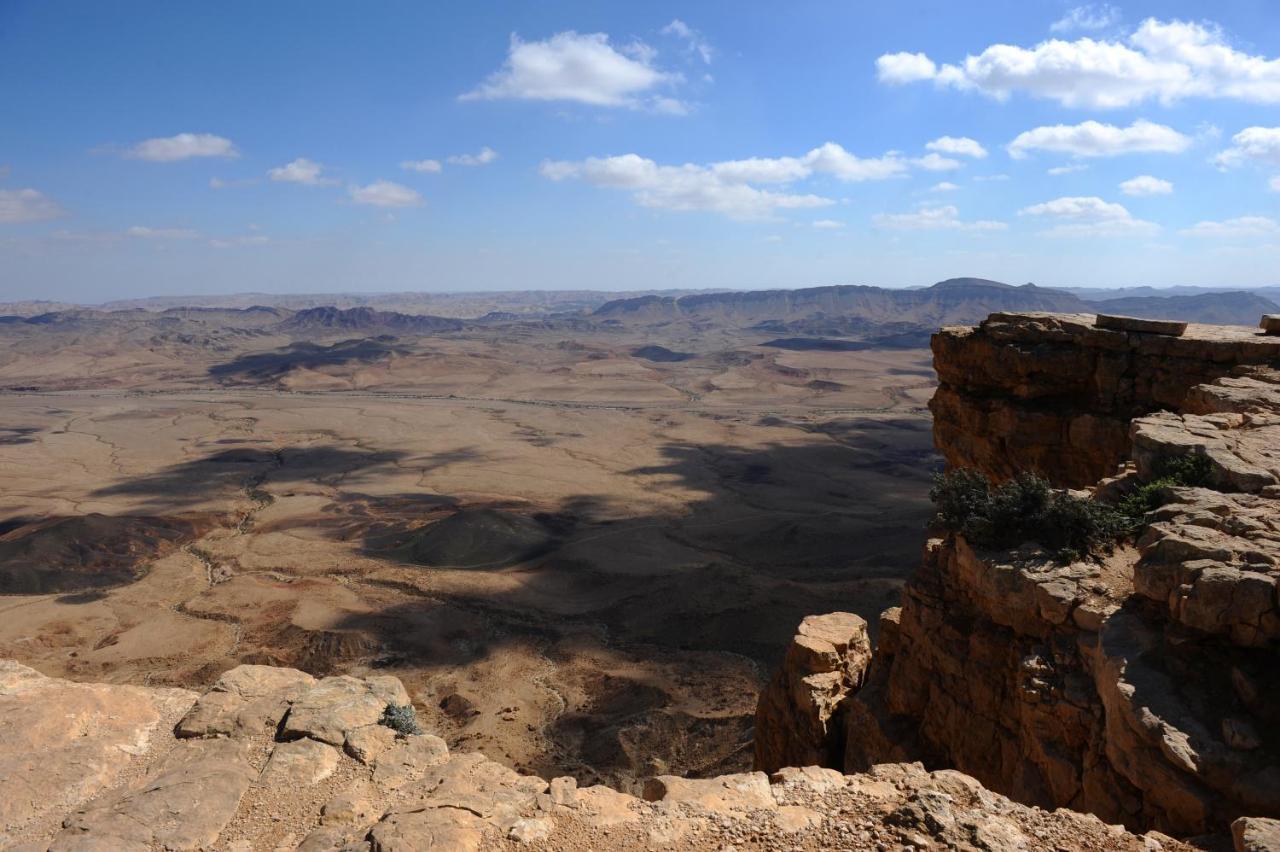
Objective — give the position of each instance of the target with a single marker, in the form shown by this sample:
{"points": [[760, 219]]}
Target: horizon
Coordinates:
{"points": [[304, 149]]}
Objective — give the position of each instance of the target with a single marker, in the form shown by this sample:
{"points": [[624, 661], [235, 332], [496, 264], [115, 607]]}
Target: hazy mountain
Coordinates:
{"points": [[366, 320], [1230, 308]]}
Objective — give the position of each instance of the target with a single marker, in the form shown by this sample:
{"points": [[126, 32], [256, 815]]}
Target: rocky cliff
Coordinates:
{"points": [[273, 758], [1055, 394], [1141, 687]]}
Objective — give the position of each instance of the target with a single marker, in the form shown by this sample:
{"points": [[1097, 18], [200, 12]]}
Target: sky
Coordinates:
{"points": [[182, 147]]}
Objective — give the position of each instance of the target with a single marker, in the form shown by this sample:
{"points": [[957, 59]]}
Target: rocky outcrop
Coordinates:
{"points": [[1055, 394], [797, 717], [1141, 687], [231, 778]]}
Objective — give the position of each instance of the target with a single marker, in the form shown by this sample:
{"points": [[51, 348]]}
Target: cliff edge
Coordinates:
{"points": [[1141, 687]]}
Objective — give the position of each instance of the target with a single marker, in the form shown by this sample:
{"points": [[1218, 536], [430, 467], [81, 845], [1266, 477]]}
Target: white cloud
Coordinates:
{"points": [[936, 163], [384, 193], [988, 178], [302, 171], [1089, 216], [828, 224], [485, 156], [933, 217], [1071, 168], [692, 38], [422, 166], [832, 159], [1242, 226], [1094, 139], [143, 232], [1146, 185], [899, 68], [27, 205], [961, 146], [945, 186], [726, 186], [580, 67], [182, 147], [1091, 17], [687, 187], [1163, 60], [1252, 145]]}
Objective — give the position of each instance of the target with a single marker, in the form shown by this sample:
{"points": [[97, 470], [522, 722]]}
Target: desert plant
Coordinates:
{"points": [[1170, 472], [401, 718], [1022, 509]]}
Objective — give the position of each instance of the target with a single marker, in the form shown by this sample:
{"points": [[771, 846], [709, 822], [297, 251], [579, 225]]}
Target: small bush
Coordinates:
{"points": [[1171, 472], [401, 718], [1024, 509]]}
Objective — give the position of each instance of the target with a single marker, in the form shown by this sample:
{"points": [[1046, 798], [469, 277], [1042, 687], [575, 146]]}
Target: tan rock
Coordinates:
{"points": [[299, 763], [61, 743], [245, 701], [336, 705], [793, 819], [531, 830], [1144, 326], [366, 744], [745, 791], [604, 806], [353, 806], [435, 828], [1255, 834], [408, 760]]}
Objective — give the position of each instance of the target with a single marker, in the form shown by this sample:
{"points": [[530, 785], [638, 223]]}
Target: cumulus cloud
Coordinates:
{"points": [[1242, 226], [1091, 17], [960, 146], [727, 187], [580, 67], [1166, 61], [1252, 145], [1088, 216], [945, 186], [1094, 139], [184, 146], [933, 217], [302, 171], [27, 205], [1146, 185], [936, 163], [692, 38], [384, 193], [483, 157], [430, 167], [828, 224], [143, 232]]}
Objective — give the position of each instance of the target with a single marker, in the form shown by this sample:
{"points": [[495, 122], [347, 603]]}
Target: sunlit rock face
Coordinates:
{"points": [[1140, 687]]}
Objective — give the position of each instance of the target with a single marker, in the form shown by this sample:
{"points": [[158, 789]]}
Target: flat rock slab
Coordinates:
{"points": [[1270, 323], [436, 828], [245, 701], [61, 743], [185, 805], [1170, 328], [299, 763], [408, 760], [338, 705], [745, 791]]}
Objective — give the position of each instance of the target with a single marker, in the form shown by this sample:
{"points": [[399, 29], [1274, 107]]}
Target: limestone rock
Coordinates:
{"points": [[367, 743], [1144, 326], [408, 760], [743, 792], [185, 805], [435, 828], [61, 743], [531, 830], [246, 700], [337, 705], [795, 716], [1253, 834], [299, 763]]}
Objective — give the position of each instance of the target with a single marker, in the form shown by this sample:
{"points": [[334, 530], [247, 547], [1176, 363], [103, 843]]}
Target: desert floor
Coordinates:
{"points": [[579, 561]]}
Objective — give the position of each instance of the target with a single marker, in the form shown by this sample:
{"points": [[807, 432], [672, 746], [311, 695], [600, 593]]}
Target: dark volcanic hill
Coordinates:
{"points": [[958, 300], [366, 320], [1220, 308]]}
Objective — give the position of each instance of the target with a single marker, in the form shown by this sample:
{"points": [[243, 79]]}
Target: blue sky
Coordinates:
{"points": [[183, 147]]}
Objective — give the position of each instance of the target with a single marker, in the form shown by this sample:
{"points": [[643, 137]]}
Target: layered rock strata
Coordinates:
{"points": [[275, 759], [1055, 394], [1141, 687]]}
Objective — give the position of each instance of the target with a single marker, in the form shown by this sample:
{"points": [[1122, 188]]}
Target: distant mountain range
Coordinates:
{"points": [[901, 316]]}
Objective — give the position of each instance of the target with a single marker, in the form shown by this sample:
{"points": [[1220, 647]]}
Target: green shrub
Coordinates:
{"points": [[401, 718], [1024, 509], [1171, 472]]}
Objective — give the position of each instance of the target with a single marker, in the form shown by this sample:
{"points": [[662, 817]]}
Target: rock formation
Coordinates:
{"points": [[274, 759], [1140, 687], [1054, 394]]}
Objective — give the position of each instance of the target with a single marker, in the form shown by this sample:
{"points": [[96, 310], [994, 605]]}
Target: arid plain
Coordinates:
{"points": [[581, 546]]}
